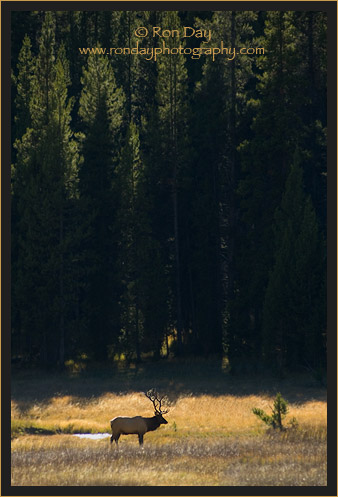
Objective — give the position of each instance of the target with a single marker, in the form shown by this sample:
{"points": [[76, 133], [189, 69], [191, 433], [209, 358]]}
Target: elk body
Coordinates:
{"points": [[138, 425]]}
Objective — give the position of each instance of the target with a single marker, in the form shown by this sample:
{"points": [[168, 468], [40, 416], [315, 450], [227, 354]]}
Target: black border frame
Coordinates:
{"points": [[328, 6]]}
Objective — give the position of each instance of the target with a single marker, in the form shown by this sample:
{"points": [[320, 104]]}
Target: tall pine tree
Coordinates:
{"points": [[294, 305], [172, 116], [44, 182], [101, 104]]}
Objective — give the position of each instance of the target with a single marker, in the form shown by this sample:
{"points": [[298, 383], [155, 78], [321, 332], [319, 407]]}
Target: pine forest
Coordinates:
{"points": [[169, 205]]}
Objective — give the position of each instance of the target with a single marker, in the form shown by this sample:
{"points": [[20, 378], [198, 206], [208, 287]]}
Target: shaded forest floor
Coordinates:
{"points": [[212, 436]]}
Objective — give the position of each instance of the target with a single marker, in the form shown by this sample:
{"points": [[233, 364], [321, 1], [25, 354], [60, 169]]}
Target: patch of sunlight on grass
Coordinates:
{"points": [[209, 440], [222, 415]]}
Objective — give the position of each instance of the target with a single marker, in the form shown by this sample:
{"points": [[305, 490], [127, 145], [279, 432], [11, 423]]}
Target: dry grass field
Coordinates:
{"points": [[212, 437]]}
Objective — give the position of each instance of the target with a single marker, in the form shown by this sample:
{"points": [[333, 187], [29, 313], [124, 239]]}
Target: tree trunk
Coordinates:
{"points": [[192, 300], [137, 333], [178, 277], [175, 207], [232, 208], [61, 296]]}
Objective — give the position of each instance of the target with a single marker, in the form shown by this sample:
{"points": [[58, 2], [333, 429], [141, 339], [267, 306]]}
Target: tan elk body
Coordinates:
{"points": [[139, 425]]}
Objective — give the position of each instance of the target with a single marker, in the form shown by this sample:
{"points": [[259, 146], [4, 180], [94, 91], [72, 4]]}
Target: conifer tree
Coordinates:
{"points": [[265, 154], [22, 88], [219, 102], [143, 299], [101, 104], [129, 217], [311, 99], [44, 182], [294, 305], [172, 101], [23, 82]]}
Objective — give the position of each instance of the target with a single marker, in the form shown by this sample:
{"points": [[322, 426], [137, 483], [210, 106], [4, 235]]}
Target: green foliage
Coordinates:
{"points": [[44, 189], [101, 104], [279, 411], [172, 204], [280, 125], [171, 98], [294, 298], [132, 224], [99, 89], [23, 82]]}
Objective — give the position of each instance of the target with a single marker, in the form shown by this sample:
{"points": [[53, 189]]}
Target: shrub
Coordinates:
{"points": [[279, 411]]}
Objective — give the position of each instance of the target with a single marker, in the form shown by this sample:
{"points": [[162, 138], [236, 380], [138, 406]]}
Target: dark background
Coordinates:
{"points": [[169, 208]]}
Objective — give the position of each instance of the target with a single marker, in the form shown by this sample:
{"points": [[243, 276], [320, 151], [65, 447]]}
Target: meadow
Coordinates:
{"points": [[212, 436]]}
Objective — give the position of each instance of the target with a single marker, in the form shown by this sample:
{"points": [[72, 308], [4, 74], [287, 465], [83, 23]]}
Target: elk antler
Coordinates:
{"points": [[157, 401]]}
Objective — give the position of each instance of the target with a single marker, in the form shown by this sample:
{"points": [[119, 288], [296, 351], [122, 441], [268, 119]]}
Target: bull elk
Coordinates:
{"points": [[138, 425]]}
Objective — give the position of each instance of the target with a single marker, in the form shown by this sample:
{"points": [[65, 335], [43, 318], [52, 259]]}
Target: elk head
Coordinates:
{"points": [[157, 403]]}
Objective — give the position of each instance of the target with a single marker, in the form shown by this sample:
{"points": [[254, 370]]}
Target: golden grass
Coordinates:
{"points": [[207, 414], [232, 461], [209, 440]]}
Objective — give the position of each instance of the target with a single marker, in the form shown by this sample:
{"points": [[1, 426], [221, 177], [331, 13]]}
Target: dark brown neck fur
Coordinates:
{"points": [[152, 423]]}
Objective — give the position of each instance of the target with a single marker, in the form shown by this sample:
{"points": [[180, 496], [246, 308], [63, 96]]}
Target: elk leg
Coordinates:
{"points": [[140, 439], [116, 438]]}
